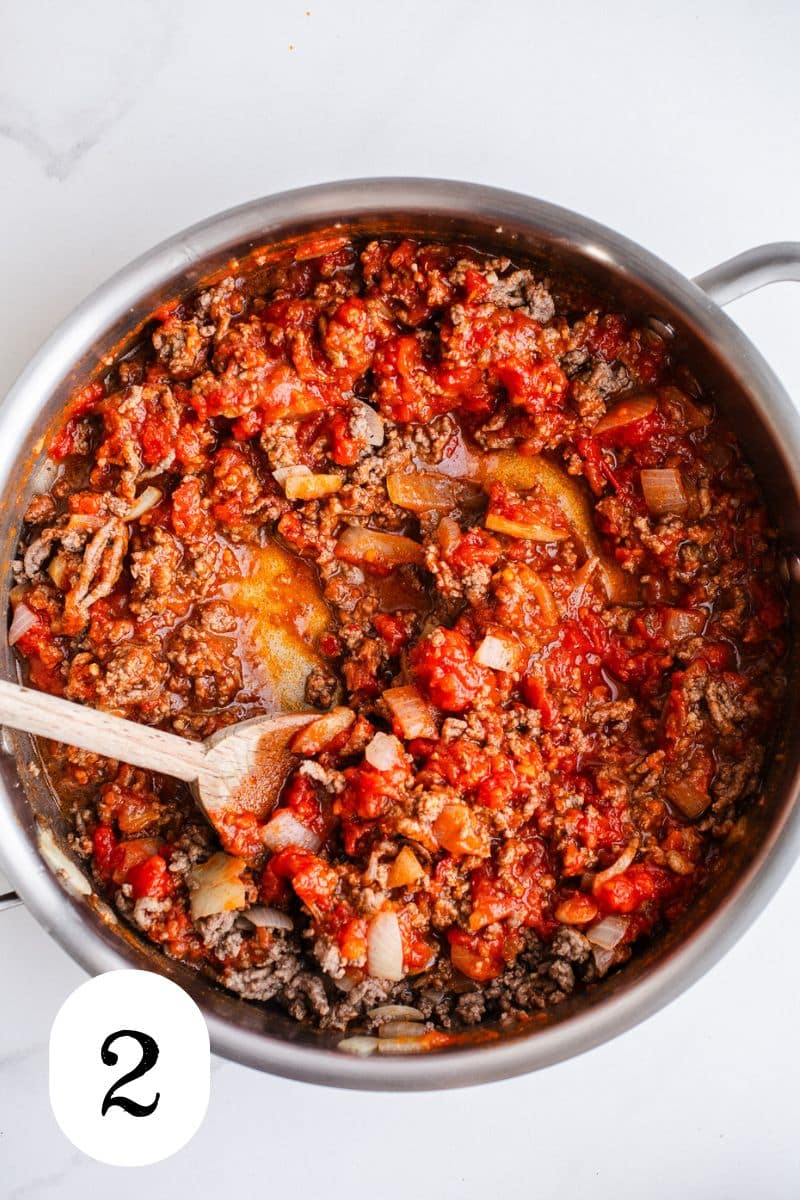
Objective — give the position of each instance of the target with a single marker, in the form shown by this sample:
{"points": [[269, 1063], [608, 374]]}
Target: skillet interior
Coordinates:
{"points": [[34, 804]]}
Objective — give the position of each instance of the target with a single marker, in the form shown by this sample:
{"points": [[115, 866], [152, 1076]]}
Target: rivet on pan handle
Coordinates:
{"points": [[776, 262]]}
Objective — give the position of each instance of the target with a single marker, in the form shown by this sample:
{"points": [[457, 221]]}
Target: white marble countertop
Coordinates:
{"points": [[121, 123]]}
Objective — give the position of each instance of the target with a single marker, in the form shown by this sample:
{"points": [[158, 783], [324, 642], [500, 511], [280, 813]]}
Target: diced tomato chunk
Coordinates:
{"points": [[443, 664], [150, 878]]}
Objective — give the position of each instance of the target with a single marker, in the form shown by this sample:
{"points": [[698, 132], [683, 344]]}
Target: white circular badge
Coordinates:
{"points": [[130, 1068]]}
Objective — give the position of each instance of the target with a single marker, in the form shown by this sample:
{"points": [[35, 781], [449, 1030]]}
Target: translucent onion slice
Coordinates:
{"points": [[384, 752], [603, 959], [284, 830], [405, 869], [385, 947], [22, 622], [691, 800], [57, 569], [420, 491], [372, 423], [375, 549], [456, 831], [392, 1029], [402, 1045], [281, 474], [413, 714], [608, 933], [311, 487], [498, 653], [315, 737], [533, 532], [360, 1046], [622, 863], [664, 491], [268, 918], [216, 886], [150, 497], [395, 1012]]}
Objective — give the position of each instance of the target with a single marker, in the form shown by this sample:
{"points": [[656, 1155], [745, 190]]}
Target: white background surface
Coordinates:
{"points": [[121, 123]]}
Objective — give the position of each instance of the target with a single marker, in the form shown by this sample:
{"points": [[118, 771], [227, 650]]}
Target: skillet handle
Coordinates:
{"points": [[777, 262]]}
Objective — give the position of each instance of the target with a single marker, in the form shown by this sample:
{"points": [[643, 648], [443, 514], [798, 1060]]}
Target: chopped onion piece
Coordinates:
{"points": [[281, 474], [422, 491], [392, 1029], [384, 752], [686, 796], [402, 1045], [22, 622], [320, 733], [533, 532], [395, 1012], [496, 652], [345, 983], [635, 408], [362, 1046], [57, 569], [603, 958], [608, 933], [405, 869], [385, 947], [622, 863], [664, 491], [216, 886], [457, 830], [311, 487], [268, 918], [371, 422], [284, 830], [150, 497], [413, 714], [375, 549], [448, 534]]}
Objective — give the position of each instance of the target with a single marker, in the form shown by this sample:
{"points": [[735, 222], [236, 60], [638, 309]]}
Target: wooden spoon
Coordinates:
{"points": [[238, 769]]}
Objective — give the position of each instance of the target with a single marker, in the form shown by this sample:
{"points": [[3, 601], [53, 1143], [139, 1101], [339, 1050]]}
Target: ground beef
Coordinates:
{"points": [[545, 678], [520, 289], [321, 687]]}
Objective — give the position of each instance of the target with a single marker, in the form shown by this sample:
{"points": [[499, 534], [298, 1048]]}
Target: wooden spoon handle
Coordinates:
{"points": [[76, 725]]}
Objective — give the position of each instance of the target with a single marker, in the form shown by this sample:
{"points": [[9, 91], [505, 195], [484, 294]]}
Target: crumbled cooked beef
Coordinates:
{"points": [[182, 346], [40, 509], [521, 289], [154, 568], [321, 687], [220, 934], [547, 679], [592, 387], [204, 665]]}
